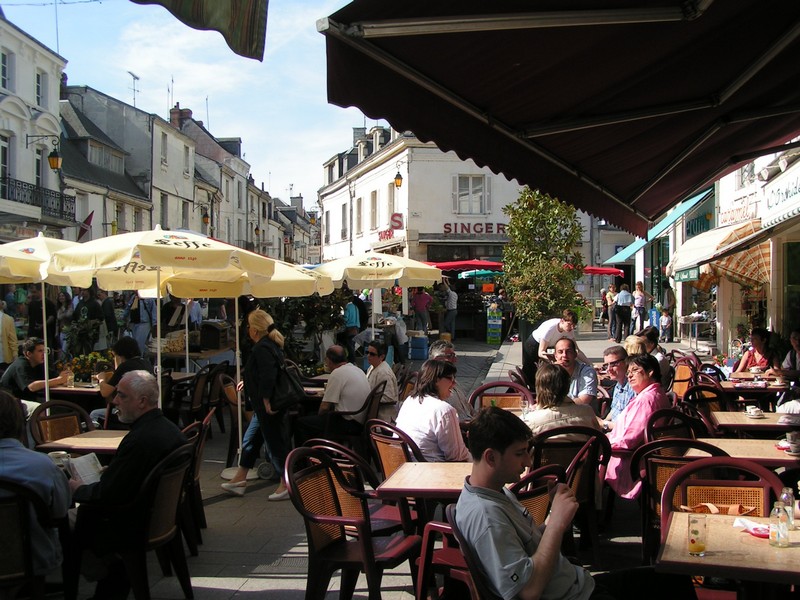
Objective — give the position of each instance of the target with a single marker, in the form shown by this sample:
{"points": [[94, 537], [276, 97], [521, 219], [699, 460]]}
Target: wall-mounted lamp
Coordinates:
{"points": [[398, 179], [54, 158], [206, 218], [257, 231]]}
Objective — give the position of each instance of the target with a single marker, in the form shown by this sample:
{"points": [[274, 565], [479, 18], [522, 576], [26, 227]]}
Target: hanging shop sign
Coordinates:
{"points": [[692, 274]]}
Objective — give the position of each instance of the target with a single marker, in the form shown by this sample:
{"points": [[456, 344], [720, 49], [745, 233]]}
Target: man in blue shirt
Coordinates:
{"points": [[616, 360], [39, 474]]}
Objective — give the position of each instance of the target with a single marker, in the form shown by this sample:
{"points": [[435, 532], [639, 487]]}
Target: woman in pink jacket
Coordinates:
{"points": [[644, 377]]}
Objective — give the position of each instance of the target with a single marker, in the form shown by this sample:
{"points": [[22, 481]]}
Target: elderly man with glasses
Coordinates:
{"points": [[444, 350], [616, 361]]}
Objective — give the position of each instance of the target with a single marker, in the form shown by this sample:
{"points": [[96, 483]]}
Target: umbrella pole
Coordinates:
{"points": [[46, 348], [186, 332], [238, 375], [158, 332]]}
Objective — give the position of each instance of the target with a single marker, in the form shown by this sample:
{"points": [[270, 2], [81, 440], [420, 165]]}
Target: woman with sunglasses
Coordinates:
{"points": [[644, 377], [429, 420]]}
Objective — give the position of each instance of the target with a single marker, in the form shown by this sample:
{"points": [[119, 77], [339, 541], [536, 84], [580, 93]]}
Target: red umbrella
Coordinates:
{"points": [[603, 271], [467, 265]]}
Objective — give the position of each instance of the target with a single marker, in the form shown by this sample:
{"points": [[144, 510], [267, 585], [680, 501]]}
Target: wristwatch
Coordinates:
{"points": [[605, 426]]}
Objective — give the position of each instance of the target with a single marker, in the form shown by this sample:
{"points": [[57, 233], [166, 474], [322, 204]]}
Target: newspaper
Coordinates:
{"points": [[86, 468]]}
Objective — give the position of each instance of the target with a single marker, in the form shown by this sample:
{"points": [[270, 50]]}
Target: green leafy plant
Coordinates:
{"points": [[543, 236], [81, 336]]}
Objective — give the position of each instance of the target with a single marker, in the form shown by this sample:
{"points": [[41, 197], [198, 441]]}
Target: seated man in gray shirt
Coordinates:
{"points": [[519, 559]]}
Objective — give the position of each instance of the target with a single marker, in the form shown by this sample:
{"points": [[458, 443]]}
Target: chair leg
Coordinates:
{"points": [[319, 576], [220, 418], [374, 576], [163, 561], [199, 512], [188, 528], [348, 583], [178, 559], [136, 566]]}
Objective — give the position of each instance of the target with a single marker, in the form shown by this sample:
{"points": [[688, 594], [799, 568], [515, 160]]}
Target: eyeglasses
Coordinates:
{"points": [[614, 363], [373, 354], [635, 372]]}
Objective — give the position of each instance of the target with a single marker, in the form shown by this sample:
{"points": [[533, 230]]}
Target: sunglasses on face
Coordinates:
{"points": [[370, 353], [614, 363]]}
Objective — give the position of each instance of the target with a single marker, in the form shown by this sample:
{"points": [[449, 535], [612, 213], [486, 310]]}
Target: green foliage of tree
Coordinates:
{"points": [[543, 236]]}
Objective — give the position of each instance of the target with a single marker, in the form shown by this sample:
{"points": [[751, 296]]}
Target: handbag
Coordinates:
{"points": [[288, 387]]}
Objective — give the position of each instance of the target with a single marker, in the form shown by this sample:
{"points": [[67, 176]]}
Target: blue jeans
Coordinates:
{"points": [[450, 322], [259, 430]]}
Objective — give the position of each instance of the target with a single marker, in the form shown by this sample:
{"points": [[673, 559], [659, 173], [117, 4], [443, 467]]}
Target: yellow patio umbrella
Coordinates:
{"points": [[30, 261], [377, 270], [140, 260]]}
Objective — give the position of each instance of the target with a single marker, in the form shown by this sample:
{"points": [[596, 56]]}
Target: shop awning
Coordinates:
{"points": [[699, 261], [659, 228], [618, 108]]}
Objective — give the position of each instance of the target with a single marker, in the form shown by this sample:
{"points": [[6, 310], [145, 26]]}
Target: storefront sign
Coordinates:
{"points": [[782, 197], [396, 221], [386, 235], [470, 228], [739, 210], [698, 225], [692, 274]]}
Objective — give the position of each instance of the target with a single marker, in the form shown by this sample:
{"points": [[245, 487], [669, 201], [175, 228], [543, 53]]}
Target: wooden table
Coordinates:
{"points": [[99, 441], [762, 452], [730, 553], [749, 388], [84, 394], [195, 357], [439, 480], [737, 422]]}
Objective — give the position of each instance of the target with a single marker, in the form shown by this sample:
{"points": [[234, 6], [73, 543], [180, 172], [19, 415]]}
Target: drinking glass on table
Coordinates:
{"points": [[697, 534], [70, 378], [525, 407]]}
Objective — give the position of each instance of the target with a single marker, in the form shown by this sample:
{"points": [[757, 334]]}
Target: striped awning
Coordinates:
{"points": [[703, 259]]}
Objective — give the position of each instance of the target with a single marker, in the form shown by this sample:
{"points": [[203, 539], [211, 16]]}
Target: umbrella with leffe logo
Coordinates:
{"points": [[30, 261], [141, 260], [376, 270]]}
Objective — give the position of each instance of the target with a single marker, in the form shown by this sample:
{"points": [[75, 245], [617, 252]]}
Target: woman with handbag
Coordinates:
{"points": [[260, 376]]}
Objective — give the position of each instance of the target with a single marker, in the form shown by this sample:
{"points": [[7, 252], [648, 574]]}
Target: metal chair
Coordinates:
{"points": [[310, 477], [215, 397], [653, 464], [479, 398], [190, 396], [192, 514], [148, 522], [58, 419]]}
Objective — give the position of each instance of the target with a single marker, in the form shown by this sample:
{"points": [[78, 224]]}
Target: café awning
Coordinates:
{"points": [[618, 108], [700, 262]]}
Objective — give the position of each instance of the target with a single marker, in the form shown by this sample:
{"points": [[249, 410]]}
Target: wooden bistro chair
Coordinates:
{"points": [[369, 410], [228, 385], [192, 514], [312, 479], [58, 419], [18, 505], [653, 464], [673, 423], [148, 522], [391, 447], [685, 376], [215, 397], [385, 518], [586, 451], [472, 560], [190, 395], [510, 396]]}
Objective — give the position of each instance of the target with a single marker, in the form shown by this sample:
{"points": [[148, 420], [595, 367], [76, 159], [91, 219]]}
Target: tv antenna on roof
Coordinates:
{"points": [[135, 79]]}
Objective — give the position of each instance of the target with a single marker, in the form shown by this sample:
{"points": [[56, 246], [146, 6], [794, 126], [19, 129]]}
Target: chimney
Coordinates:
{"points": [[175, 116], [359, 133]]}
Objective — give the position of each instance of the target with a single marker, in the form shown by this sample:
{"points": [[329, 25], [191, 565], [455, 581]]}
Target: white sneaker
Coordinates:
{"points": [[278, 496]]}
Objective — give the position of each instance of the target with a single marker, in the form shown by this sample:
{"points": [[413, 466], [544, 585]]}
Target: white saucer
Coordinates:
{"points": [[749, 416], [790, 453]]}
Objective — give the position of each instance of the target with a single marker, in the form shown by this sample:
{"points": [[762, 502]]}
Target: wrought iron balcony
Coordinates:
{"points": [[54, 205]]}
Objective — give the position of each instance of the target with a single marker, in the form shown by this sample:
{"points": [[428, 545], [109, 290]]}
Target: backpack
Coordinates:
{"points": [[288, 387]]}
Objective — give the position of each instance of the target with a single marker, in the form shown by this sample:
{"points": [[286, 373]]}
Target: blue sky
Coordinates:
{"points": [[278, 107]]}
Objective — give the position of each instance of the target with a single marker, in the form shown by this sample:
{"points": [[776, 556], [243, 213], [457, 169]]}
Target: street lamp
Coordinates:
{"points": [[54, 159], [398, 179], [206, 218], [257, 231]]}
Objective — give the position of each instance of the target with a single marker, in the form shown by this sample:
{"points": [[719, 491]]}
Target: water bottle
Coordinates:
{"points": [[787, 497], [779, 526]]}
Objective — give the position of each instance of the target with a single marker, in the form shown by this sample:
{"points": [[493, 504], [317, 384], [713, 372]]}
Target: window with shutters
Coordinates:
{"points": [[358, 217], [390, 209], [373, 210], [471, 194]]}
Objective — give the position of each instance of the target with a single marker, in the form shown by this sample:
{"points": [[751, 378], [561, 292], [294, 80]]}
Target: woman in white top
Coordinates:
{"points": [[430, 421], [640, 300]]}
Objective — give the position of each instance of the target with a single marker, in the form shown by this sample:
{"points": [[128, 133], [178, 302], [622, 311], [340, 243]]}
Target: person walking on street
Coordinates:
{"points": [[640, 300], [668, 304], [611, 296], [450, 304], [624, 304], [421, 303]]}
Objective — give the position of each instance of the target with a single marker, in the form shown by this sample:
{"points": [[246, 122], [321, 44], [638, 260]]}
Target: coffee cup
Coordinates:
{"points": [[793, 439], [754, 411]]}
